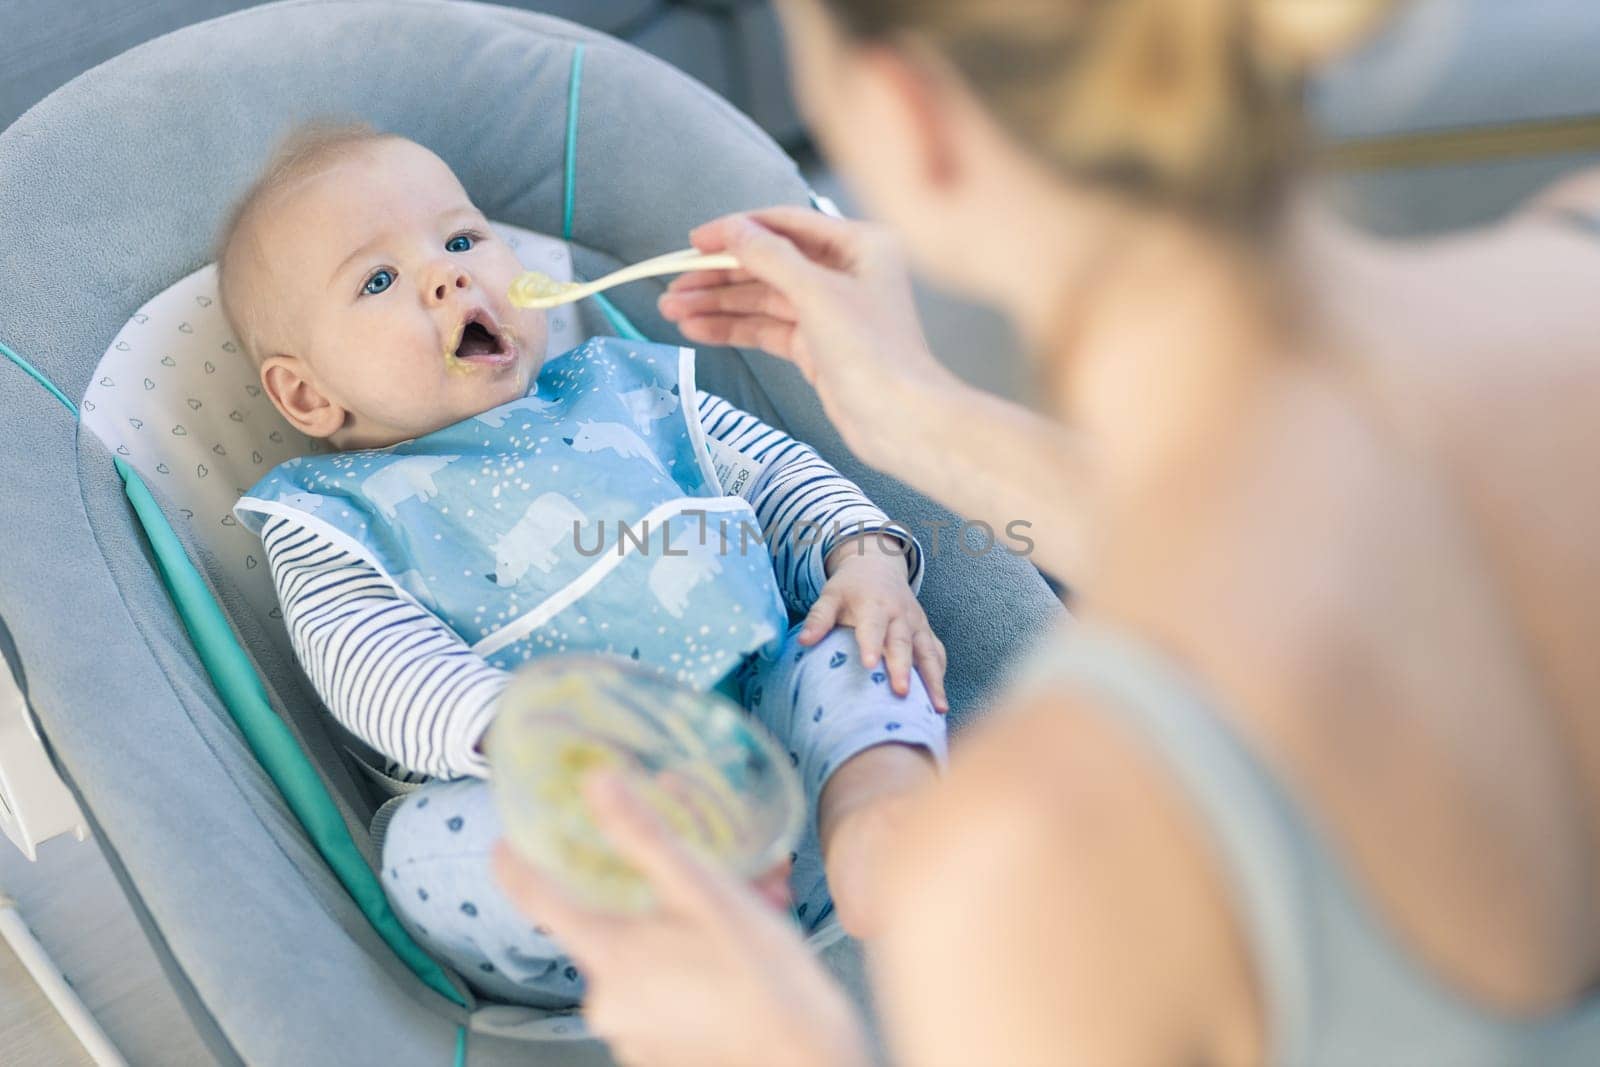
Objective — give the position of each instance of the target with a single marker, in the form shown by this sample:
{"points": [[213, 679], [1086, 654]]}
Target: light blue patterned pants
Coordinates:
{"points": [[821, 703]]}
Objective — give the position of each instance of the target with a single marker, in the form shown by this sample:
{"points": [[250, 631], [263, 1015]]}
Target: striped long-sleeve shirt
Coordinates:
{"points": [[399, 678]]}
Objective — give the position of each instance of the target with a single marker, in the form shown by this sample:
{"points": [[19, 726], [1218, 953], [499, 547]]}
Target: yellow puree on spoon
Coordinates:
{"points": [[535, 285]]}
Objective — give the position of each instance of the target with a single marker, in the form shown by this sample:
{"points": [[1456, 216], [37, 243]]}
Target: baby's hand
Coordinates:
{"points": [[868, 588]]}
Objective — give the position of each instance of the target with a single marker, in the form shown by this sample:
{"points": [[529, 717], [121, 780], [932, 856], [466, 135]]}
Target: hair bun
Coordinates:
{"points": [[1300, 34]]}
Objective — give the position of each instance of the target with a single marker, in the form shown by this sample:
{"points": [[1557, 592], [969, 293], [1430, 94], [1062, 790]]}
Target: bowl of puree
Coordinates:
{"points": [[709, 771]]}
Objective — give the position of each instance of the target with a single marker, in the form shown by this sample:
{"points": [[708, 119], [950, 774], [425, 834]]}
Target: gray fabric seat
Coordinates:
{"points": [[112, 190], [733, 46]]}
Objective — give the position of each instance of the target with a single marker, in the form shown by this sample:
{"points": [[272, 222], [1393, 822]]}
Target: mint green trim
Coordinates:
{"points": [[573, 87], [37, 375], [274, 747], [269, 739], [613, 314]]}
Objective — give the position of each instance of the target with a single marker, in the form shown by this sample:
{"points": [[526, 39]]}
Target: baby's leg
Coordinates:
{"points": [[436, 873], [826, 707]]}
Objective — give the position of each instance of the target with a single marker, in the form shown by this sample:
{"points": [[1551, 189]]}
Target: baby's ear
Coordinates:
{"points": [[287, 381]]}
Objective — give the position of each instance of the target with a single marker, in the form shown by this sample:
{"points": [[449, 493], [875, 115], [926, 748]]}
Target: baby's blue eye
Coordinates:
{"points": [[461, 242], [379, 281]]}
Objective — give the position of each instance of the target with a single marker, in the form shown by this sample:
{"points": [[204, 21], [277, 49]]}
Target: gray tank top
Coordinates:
{"points": [[1338, 990]]}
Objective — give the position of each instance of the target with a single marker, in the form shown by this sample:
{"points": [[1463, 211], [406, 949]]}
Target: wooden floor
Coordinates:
{"points": [[73, 905], [30, 1031]]}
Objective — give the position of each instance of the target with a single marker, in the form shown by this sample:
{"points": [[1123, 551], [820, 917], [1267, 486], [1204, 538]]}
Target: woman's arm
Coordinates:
{"points": [[839, 559], [712, 976], [834, 298], [988, 459], [1054, 901]]}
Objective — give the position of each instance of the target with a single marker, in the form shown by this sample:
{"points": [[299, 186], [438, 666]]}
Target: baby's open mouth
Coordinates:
{"points": [[479, 342]]}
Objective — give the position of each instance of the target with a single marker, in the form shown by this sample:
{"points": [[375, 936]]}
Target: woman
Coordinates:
{"points": [[1314, 780]]}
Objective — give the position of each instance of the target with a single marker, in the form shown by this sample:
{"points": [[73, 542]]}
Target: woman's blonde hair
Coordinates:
{"points": [[1195, 103]]}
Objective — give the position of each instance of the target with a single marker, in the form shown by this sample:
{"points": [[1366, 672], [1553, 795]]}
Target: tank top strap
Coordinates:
{"points": [[1252, 827]]}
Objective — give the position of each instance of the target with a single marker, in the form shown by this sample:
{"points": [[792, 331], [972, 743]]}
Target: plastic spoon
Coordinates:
{"points": [[535, 289]]}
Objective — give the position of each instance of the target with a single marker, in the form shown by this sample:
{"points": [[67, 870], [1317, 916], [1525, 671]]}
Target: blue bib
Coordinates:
{"points": [[585, 517]]}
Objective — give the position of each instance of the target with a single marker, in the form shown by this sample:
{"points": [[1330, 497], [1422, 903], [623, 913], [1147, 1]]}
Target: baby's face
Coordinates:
{"points": [[393, 290]]}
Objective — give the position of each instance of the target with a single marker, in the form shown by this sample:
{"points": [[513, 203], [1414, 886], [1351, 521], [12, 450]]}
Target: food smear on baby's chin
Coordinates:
{"points": [[456, 365], [451, 361]]}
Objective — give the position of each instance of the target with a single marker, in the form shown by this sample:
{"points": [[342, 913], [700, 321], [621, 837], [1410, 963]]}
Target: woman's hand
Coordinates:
{"points": [[830, 296], [713, 976], [834, 298]]}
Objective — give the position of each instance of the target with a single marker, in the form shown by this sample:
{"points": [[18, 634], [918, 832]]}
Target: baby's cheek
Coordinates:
{"points": [[534, 332], [538, 327]]}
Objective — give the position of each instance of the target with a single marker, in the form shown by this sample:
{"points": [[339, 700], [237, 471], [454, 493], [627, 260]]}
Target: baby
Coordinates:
{"points": [[468, 520]]}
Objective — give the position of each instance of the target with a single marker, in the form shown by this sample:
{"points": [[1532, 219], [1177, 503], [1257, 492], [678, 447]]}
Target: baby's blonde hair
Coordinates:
{"points": [[303, 152], [1194, 103]]}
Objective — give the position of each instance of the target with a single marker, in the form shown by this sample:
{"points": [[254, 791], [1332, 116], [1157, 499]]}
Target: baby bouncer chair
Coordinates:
{"points": [[146, 637]]}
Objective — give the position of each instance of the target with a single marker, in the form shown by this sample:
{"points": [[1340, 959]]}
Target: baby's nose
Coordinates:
{"points": [[448, 279]]}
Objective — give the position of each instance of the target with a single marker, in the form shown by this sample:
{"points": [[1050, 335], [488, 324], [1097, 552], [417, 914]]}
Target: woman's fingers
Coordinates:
{"points": [[583, 933], [746, 314], [763, 253], [930, 664], [897, 654], [822, 239], [773, 887], [743, 298], [796, 250], [827, 240], [708, 279], [743, 331], [681, 881]]}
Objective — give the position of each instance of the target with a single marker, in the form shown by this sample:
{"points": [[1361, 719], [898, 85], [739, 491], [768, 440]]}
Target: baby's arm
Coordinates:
{"points": [[837, 556], [862, 801], [390, 671], [806, 508]]}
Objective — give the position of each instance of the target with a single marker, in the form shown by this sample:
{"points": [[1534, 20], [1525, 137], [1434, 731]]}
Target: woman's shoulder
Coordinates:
{"points": [[1495, 351], [1059, 842], [1478, 338]]}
